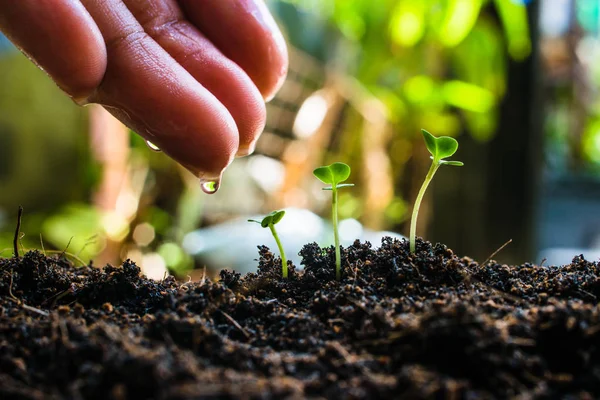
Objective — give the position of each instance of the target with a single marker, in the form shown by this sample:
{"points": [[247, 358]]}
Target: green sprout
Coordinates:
{"points": [[440, 148], [269, 222], [334, 175]]}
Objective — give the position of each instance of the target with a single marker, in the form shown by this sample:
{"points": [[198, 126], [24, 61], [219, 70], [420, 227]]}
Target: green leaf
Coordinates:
{"points": [[430, 142], [324, 174], [333, 174], [447, 146], [271, 218], [452, 163], [277, 216], [340, 172], [440, 147]]}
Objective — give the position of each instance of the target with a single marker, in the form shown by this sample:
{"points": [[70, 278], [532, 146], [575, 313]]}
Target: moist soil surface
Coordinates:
{"points": [[398, 325]]}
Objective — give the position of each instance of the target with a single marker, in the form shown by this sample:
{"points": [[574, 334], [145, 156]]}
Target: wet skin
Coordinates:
{"points": [[191, 76]]}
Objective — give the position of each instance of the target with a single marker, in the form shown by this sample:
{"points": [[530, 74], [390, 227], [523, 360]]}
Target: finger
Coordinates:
{"points": [[244, 31], [163, 21], [59, 36], [149, 91]]}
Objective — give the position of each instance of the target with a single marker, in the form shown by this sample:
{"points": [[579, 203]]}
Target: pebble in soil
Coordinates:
{"points": [[397, 325]]}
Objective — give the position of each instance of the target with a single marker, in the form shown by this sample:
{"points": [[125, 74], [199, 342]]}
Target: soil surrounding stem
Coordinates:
{"points": [[398, 325]]}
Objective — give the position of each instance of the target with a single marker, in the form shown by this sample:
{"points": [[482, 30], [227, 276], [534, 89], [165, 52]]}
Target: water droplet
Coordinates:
{"points": [[210, 187], [152, 146]]}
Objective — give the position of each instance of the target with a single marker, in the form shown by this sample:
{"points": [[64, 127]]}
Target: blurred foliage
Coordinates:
{"points": [[436, 64], [42, 135], [570, 50], [40, 130]]}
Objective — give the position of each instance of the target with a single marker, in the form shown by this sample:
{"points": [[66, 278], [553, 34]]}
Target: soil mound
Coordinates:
{"points": [[398, 325]]}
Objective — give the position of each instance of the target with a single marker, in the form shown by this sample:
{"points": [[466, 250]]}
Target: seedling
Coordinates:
{"points": [[440, 148], [334, 175], [269, 222]]}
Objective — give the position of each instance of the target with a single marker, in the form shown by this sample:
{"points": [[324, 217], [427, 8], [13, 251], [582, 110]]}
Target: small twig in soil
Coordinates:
{"points": [[21, 236], [66, 248], [10, 285], [183, 285], [585, 292], [53, 297], [543, 261], [203, 280], [35, 310], [496, 252], [42, 244], [60, 296], [235, 323], [17, 232], [64, 253]]}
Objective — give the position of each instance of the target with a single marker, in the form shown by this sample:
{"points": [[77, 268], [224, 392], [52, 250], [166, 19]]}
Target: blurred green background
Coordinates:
{"points": [[515, 81]]}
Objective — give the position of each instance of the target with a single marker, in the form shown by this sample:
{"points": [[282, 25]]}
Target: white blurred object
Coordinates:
{"points": [[154, 266], [233, 244], [311, 115]]}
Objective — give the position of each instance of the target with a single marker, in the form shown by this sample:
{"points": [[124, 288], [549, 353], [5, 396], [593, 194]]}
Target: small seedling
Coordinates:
{"points": [[334, 175], [440, 148], [269, 222]]}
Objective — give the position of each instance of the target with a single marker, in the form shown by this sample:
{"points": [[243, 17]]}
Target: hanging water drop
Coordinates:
{"points": [[210, 187], [152, 146]]}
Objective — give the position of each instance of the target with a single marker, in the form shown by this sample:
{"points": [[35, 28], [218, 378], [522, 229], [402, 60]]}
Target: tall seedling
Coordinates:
{"points": [[440, 148]]}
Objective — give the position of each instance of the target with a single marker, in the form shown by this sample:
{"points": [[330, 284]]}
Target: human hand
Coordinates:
{"points": [[191, 76]]}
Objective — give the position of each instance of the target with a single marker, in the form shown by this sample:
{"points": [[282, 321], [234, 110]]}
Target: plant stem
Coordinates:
{"points": [[413, 221], [336, 236], [18, 232], [284, 266]]}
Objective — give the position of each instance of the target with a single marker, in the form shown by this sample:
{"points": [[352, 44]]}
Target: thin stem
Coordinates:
{"points": [[413, 221], [17, 233], [284, 266], [336, 236]]}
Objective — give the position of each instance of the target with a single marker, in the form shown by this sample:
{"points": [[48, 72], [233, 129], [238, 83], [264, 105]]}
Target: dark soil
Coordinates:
{"points": [[429, 325]]}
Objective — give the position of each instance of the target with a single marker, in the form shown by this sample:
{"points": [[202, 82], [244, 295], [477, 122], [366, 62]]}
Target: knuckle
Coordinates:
{"points": [[127, 38]]}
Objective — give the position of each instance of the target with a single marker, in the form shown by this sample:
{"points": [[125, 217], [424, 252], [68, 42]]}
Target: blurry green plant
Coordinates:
{"points": [[457, 48], [270, 221], [440, 148], [334, 175], [75, 228], [431, 63]]}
